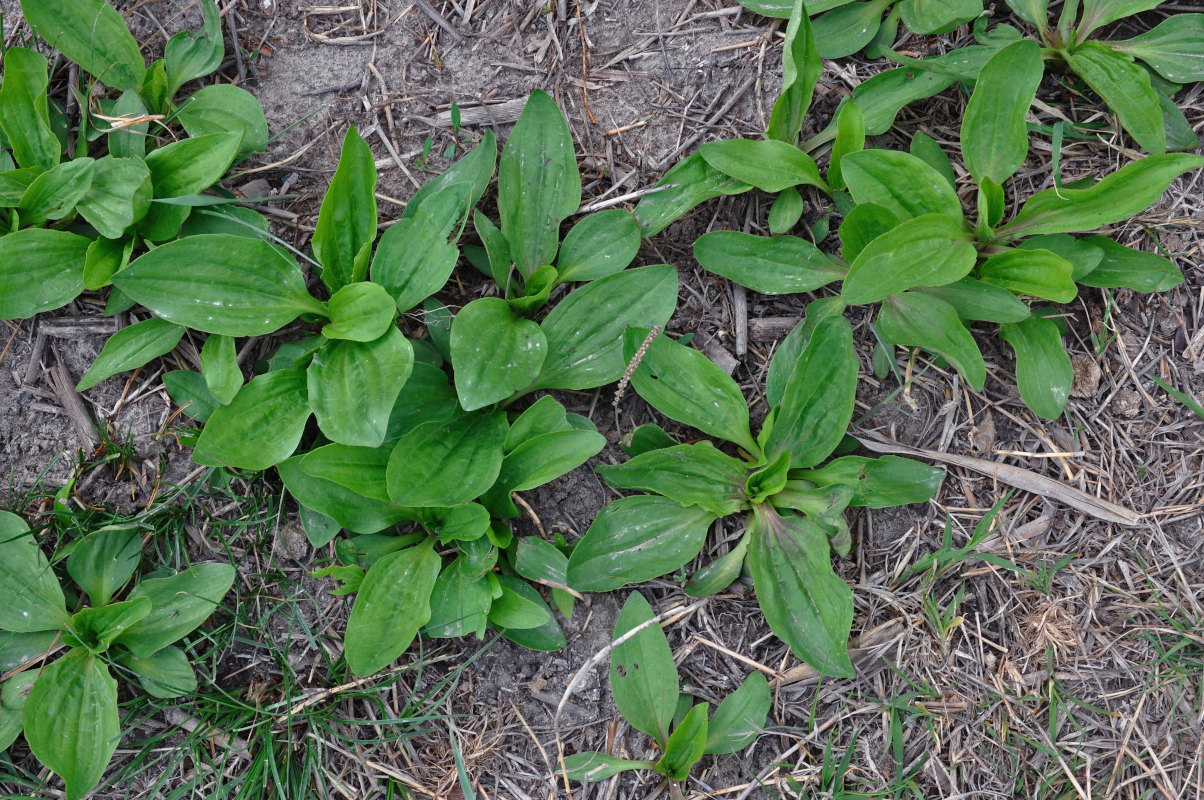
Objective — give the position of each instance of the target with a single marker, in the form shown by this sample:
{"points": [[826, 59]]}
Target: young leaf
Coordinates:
{"points": [[601, 244], [879, 482], [994, 135], [643, 677], [513, 611], [777, 265], [413, 260], [593, 767], [1126, 88], [24, 110], [190, 55], [353, 386], [720, 573], [1174, 48], [925, 148], [92, 34], [847, 29], [931, 250], [179, 605], [232, 285], [546, 638], [850, 138], [219, 364], [495, 352], [692, 474], [1124, 193], [1124, 266], [782, 365], [688, 387], [899, 182], [104, 560], [817, 403], [346, 226], [921, 320], [226, 108], [544, 416], [636, 539], [1043, 369], [801, 68], [164, 674], [740, 717], [261, 426], [786, 211], [804, 602], [766, 164], [130, 348], [71, 720], [686, 745], [360, 312], [1038, 273], [689, 182], [975, 300], [538, 183], [30, 597], [393, 603], [96, 627], [118, 196], [447, 463], [585, 330]]}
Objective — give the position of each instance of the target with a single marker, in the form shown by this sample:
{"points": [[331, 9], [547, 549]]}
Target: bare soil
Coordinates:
{"points": [[1058, 679]]}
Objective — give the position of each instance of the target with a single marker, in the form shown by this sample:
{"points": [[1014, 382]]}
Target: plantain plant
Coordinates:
{"points": [[644, 683], [907, 244], [67, 706], [792, 502]]}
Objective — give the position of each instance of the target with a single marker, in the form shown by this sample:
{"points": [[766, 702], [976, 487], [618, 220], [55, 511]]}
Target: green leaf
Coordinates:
{"points": [[777, 265], [96, 628], [495, 352], [513, 611], [1124, 266], [975, 300], [850, 138], [194, 54], [601, 244], [232, 285], [353, 386], [360, 469], [817, 402], [804, 602], [1043, 369], [766, 164], [691, 474], [130, 348], [912, 318], [261, 426], [426, 397], [219, 364], [1081, 253], [585, 330], [360, 312], [71, 720], [879, 482], [643, 677], [346, 224], [460, 601], [92, 34], [447, 463], [786, 211], [18, 649], [740, 717], [413, 260], [635, 539], [119, 195], [865, 223], [1126, 88], [548, 637], [686, 745], [1174, 48], [40, 270], [447, 199], [24, 110], [129, 140], [538, 183], [931, 250], [13, 184], [187, 390], [54, 193], [166, 673], [104, 560], [938, 16], [594, 767], [847, 29], [1098, 13], [925, 148], [30, 597], [347, 508], [1038, 273], [801, 68], [1034, 12], [787, 356], [994, 135], [901, 183], [179, 604], [1121, 195], [688, 387], [541, 459], [688, 183], [545, 415], [645, 439], [393, 603], [990, 203], [540, 561], [226, 108], [104, 258], [881, 97], [720, 573], [13, 693], [191, 165]]}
